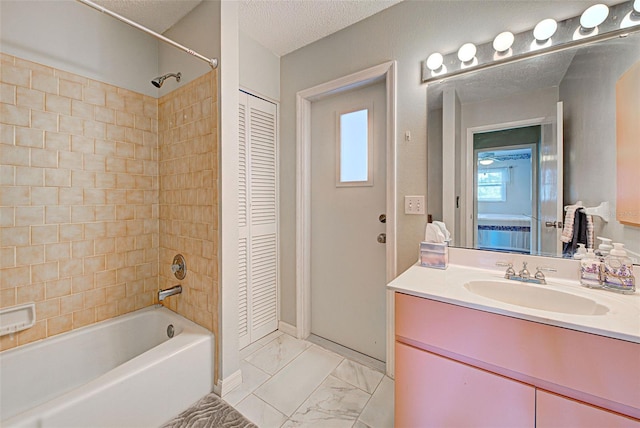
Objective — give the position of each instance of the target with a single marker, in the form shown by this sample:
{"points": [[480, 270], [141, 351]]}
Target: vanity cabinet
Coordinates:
{"points": [[435, 391], [457, 366], [554, 411]]}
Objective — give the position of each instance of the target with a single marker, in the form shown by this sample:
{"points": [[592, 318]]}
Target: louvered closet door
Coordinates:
{"points": [[257, 219]]}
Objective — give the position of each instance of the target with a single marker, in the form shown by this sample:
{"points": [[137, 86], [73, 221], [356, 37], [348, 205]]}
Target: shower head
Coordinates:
{"points": [[158, 81]]}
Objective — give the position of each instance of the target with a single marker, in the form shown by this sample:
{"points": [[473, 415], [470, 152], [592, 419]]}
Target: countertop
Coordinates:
{"points": [[622, 321]]}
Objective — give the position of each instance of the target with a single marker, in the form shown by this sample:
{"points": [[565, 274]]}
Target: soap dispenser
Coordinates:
{"points": [[590, 270], [617, 271], [604, 247], [580, 252]]}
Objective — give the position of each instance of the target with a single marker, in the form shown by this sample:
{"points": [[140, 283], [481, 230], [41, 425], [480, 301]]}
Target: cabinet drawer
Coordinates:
{"points": [[591, 368], [554, 411], [433, 391]]}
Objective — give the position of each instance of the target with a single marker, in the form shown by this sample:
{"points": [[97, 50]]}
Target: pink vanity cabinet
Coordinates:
{"points": [[458, 367]]}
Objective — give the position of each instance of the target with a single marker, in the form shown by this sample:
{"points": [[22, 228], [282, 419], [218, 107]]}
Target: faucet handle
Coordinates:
{"points": [[524, 272], [540, 276], [510, 271]]}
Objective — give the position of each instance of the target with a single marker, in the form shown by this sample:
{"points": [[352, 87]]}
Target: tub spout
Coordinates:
{"points": [[163, 294]]}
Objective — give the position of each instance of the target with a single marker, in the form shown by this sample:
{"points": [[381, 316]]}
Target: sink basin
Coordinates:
{"points": [[535, 297]]}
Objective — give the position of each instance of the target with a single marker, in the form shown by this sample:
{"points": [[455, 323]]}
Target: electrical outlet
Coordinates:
{"points": [[414, 205]]}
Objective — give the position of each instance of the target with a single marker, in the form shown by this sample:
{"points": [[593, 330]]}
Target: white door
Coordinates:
{"points": [[257, 219], [551, 185], [348, 191]]}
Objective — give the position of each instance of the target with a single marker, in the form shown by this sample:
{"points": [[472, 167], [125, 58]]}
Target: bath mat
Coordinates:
{"points": [[210, 412]]}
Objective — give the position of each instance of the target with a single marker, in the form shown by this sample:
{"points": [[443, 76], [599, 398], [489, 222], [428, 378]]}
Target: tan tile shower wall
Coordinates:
{"points": [[188, 197], [78, 198]]}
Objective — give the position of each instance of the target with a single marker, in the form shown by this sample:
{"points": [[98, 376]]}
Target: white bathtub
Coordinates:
{"points": [[124, 372]]}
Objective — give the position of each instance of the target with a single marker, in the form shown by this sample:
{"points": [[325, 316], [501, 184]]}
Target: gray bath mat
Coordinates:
{"points": [[210, 412]]}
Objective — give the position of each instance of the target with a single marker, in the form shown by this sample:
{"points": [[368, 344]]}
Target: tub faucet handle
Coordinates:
{"points": [[179, 266]]}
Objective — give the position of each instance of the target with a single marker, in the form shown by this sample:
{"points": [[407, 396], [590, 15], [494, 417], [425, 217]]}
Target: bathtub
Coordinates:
{"points": [[124, 372]]}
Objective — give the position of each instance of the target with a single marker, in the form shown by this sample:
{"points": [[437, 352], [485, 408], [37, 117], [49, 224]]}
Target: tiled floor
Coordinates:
{"points": [[293, 383]]}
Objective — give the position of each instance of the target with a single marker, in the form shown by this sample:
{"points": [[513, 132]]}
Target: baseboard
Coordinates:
{"points": [[288, 329], [228, 384]]}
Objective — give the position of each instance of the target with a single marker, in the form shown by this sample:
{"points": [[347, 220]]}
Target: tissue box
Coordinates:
{"points": [[434, 255]]}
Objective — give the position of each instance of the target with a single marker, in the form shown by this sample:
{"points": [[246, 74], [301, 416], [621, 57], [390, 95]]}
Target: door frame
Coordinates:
{"points": [[533, 233], [386, 72], [467, 164]]}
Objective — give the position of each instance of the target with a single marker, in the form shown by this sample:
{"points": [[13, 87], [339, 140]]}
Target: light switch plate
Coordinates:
{"points": [[414, 205]]}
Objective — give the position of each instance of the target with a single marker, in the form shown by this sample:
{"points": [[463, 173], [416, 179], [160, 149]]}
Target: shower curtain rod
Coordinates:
{"points": [[213, 62]]}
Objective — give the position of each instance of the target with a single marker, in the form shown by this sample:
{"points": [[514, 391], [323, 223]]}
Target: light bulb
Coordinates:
{"points": [[434, 62], [594, 16], [503, 41], [545, 29], [467, 52]]}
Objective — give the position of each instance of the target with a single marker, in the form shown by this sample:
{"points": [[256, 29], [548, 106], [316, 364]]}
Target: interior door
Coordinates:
{"points": [[551, 183], [257, 219], [348, 255]]}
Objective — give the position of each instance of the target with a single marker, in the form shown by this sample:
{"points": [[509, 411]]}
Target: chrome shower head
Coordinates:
{"points": [[158, 81]]}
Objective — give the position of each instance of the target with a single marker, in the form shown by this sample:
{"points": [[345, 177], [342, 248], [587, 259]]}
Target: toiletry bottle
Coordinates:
{"points": [[580, 252], [604, 247], [590, 270], [617, 271]]}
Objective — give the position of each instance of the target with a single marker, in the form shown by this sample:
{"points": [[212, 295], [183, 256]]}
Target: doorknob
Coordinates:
{"points": [[382, 218], [554, 224], [382, 238]]}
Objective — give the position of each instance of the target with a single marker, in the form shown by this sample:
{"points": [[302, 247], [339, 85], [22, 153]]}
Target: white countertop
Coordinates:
{"points": [[622, 321]]}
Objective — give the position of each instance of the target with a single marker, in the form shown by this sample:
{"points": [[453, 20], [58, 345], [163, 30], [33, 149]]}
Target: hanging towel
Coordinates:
{"points": [[590, 234], [569, 218], [580, 233]]}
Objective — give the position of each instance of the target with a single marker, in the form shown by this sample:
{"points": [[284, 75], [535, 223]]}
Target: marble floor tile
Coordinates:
{"points": [[252, 377], [334, 404], [360, 424], [291, 386], [278, 353], [260, 413], [378, 413], [250, 349], [358, 375]]}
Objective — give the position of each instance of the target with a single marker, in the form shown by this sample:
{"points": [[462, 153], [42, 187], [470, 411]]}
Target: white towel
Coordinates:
{"points": [[569, 217], [590, 234]]}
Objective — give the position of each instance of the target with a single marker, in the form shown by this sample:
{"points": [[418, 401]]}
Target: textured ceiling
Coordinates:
{"points": [[500, 82], [158, 15], [286, 25], [282, 26]]}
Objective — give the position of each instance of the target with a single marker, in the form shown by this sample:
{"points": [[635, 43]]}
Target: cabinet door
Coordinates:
{"points": [[433, 391], [560, 412]]}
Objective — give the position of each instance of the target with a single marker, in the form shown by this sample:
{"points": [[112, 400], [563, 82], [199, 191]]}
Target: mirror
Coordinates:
{"points": [[537, 135]]}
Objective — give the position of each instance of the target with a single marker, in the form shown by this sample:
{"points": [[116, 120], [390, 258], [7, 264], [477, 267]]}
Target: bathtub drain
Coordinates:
{"points": [[170, 330]]}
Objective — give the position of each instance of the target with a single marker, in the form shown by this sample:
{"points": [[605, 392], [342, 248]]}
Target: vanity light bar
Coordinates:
{"points": [[622, 19]]}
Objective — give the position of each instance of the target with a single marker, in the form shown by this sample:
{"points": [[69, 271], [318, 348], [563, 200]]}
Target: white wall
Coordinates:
{"points": [[73, 37], [259, 69], [199, 30], [588, 92], [407, 32]]}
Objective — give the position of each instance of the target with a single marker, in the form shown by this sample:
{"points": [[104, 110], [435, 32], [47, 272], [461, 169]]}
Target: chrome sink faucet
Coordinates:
{"points": [[524, 275]]}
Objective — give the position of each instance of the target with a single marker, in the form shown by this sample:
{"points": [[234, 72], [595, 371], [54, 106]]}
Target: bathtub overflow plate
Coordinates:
{"points": [[170, 331]]}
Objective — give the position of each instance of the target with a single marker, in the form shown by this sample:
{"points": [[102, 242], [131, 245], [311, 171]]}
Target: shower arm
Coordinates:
{"points": [[213, 62]]}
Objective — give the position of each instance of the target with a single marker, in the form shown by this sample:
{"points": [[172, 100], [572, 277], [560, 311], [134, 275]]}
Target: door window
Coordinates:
{"points": [[354, 151]]}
